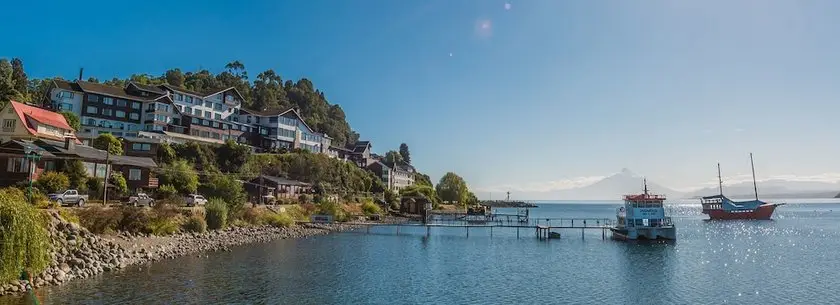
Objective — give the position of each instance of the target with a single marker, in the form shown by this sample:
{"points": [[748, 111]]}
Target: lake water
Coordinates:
{"points": [[794, 259]]}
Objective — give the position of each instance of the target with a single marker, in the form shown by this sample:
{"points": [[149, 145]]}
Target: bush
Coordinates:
{"points": [[100, 220], [331, 208], [162, 226], [94, 187], [216, 214], [227, 189], [133, 219], [24, 241], [53, 182], [166, 191], [195, 224], [68, 215], [304, 198], [279, 220], [181, 175], [253, 216], [370, 208], [118, 181]]}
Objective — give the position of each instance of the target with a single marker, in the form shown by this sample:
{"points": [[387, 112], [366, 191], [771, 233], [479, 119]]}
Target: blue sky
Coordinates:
{"points": [[511, 95]]}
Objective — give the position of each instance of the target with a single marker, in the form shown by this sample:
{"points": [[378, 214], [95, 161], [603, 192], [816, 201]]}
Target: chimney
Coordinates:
{"points": [[69, 143], [81, 73]]}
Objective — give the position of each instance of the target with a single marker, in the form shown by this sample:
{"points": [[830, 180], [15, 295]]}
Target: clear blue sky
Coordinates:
{"points": [[516, 94]]}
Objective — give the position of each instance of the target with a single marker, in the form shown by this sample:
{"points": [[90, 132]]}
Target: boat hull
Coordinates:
{"points": [[645, 233], [763, 212]]}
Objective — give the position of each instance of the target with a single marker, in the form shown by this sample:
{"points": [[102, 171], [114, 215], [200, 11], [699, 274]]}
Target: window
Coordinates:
{"points": [[107, 112], [108, 101], [135, 105], [122, 103], [49, 166], [93, 98], [9, 125], [218, 116], [272, 119], [120, 114], [225, 126], [194, 132], [131, 127], [197, 112], [134, 116], [257, 119], [189, 99], [18, 165], [65, 106], [217, 106], [208, 104], [195, 120], [65, 94], [91, 109], [205, 134], [216, 124], [216, 135], [205, 122], [179, 97], [150, 116], [263, 131], [286, 133], [141, 146], [90, 122], [243, 128], [197, 101], [248, 119], [188, 110], [130, 134], [207, 114], [133, 174]]}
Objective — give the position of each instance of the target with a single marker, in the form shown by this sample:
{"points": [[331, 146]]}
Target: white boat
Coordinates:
{"points": [[643, 217]]}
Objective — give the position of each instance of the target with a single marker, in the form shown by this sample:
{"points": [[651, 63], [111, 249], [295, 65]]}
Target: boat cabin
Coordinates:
{"points": [[642, 210]]}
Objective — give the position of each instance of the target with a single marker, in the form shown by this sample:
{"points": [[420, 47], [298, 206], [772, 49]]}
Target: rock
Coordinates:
{"points": [[60, 276], [64, 267], [14, 288]]}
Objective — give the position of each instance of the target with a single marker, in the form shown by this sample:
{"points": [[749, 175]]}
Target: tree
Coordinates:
{"points": [[118, 181], [165, 153], [175, 77], [38, 91], [181, 175], [53, 182], [231, 156], [7, 83], [19, 80], [393, 158], [406, 156], [452, 188], [422, 179], [76, 173], [25, 241], [226, 188], [72, 120], [109, 142]]}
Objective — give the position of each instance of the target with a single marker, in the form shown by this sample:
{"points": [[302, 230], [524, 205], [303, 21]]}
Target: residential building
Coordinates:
{"points": [[361, 154], [276, 187], [403, 176], [21, 121], [384, 172], [283, 130]]}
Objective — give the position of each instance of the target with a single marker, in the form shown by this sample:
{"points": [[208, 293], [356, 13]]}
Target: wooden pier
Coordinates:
{"points": [[542, 227]]}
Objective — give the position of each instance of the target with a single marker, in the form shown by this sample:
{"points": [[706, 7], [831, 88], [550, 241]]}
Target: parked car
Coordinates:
{"points": [[69, 197], [195, 199], [141, 199]]}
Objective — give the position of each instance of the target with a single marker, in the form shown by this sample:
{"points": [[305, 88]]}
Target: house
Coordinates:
{"points": [[283, 129], [415, 205], [361, 154], [384, 172], [54, 156], [21, 121], [403, 176], [277, 187]]}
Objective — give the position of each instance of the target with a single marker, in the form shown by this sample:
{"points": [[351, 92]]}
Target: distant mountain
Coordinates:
{"points": [[776, 188], [610, 188]]}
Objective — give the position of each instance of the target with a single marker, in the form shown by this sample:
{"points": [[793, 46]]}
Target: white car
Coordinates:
{"points": [[194, 200]]}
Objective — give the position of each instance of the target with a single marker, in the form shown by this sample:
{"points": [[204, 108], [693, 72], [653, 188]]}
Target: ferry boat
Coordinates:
{"points": [[643, 217], [718, 207]]}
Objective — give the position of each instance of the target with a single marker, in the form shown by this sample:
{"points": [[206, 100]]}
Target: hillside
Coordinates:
{"points": [[612, 187]]}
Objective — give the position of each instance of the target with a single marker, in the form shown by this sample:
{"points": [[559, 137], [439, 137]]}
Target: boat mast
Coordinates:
{"points": [[720, 180], [755, 185]]}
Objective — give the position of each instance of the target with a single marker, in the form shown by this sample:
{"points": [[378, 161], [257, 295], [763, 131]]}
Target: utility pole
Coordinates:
{"points": [[107, 174]]}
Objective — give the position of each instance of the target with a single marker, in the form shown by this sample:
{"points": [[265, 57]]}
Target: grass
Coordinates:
{"points": [[279, 220], [68, 215], [162, 226], [370, 208], [195, 224]]}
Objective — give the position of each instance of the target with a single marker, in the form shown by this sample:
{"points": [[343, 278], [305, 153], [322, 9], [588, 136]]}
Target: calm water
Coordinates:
{"points": [[792, 260]]}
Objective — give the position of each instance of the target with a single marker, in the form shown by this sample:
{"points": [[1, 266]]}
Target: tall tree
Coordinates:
{"points": [[93, 80], [231, 156], [404, 153], [109, 142], [7, 84], [174, 77], [19, 80], [393, 158], [453, 188]]}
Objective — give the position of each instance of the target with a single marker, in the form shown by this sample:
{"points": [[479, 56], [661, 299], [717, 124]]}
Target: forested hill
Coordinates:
{"points": [[267, 92]]}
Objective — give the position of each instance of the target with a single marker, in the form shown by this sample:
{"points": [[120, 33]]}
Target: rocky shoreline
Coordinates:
{"points": [[78, 253]]}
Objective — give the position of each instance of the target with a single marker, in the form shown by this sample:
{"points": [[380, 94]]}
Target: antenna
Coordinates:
{"points": [[720, 180], [755, 185], [646, 190]]}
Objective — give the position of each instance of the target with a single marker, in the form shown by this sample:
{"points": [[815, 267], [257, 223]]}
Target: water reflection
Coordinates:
{"points": [[647, 271]]}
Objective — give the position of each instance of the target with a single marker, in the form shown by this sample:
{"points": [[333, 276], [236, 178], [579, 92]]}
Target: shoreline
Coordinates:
{"points": [[79, 254]]}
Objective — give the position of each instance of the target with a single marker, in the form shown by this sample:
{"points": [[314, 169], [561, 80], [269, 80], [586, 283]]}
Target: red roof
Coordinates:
{"points": [[42, 116]]}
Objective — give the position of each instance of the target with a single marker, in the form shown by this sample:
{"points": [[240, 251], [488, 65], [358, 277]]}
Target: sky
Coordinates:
{"points": [[510, 95]]}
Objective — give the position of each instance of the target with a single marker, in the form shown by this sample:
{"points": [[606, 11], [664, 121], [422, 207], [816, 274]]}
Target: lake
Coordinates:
{"points": [[793, 259]]}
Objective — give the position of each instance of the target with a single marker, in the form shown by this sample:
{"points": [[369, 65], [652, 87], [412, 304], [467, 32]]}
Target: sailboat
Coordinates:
{"points": [[722, 208]]}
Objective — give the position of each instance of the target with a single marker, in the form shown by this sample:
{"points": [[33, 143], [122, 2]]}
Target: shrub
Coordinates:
{"points": [[278, 220], [133, 219], [166, 191], [162, 226], [53, 182], [239, 223], [99, 220], [24, 241], [118, 181], [304, 198], [195, 224], [216, 214], [299, 213], [94, 187], [253, 216], [331, 208], [181, 175], [68, 215], [227, 189], [370, 208]]}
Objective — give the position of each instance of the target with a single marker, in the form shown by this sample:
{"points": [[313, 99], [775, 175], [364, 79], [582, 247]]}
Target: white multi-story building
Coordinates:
{"points": [[284, 130]]}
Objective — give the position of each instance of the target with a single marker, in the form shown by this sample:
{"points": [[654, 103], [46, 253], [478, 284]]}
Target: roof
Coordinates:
{"points": [[147, 88], [182, 90], [109, 90], [340, 149], [20, 147], [279, 113], [204, 94], [43, 116], [281, 180], [56, 149], [360, 146], [63, 84]]}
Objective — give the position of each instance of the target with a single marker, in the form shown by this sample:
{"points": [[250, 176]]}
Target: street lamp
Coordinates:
{"points": [[33, 156]]}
